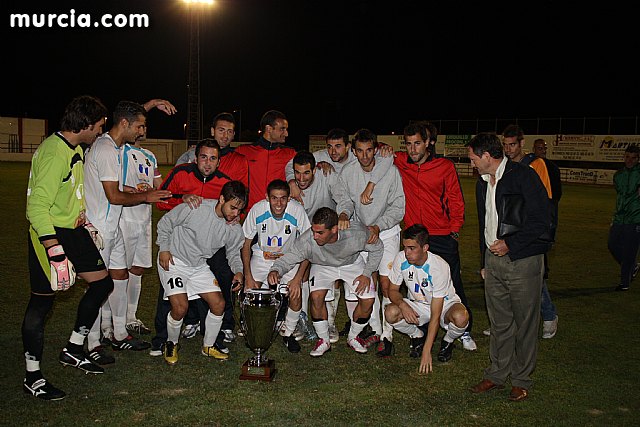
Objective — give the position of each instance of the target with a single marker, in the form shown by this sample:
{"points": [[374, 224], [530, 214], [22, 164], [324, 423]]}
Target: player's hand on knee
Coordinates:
{"points": [[63, 273], [95, 235]]}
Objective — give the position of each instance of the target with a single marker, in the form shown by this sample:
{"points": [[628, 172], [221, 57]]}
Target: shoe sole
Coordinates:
{"points": [[50, 399], [214, 357], [320, 355], [80, 368]]}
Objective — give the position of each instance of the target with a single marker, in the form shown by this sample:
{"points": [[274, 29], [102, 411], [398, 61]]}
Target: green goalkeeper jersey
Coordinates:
{"points": [[55, 196]]}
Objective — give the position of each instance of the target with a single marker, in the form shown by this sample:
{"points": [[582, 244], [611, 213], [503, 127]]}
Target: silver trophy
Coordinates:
{"points": [[259, 323]]}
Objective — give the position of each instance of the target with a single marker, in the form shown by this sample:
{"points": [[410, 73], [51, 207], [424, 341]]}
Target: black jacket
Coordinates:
{"points": [[521, 182]]}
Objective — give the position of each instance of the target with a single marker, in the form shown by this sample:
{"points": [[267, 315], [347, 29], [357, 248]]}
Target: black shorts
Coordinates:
{"points": [[79, 248]]}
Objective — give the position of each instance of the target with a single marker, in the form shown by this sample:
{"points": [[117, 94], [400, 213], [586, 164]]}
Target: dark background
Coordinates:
{"points": [[349, 63]]}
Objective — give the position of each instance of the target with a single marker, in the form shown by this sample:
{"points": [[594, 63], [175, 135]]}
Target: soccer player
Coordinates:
{"points": [[435, 200], [191, 183], [277, 222], [431, 298], [382, 214], [335, 254], [139, 174], [268, 156], [105, 199], [314, 190], [60, 243], [186, 239]]}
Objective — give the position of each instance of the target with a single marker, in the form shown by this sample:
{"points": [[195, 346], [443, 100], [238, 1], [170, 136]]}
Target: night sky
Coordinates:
{"points": [[350, 64]]}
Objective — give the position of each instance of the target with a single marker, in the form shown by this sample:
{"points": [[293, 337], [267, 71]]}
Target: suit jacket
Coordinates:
{"points": [[530, 236]]}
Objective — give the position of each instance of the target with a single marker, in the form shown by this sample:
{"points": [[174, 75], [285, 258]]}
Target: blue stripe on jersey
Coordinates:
{"points": [[125, 163], [291, 219], [265, 216]]}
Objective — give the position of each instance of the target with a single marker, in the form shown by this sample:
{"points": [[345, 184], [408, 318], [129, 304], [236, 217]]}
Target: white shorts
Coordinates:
{"points": [[260, 268], [391, 241], [113, 254], [322, 277], [184, 279], [424, 311], [137, 243]]}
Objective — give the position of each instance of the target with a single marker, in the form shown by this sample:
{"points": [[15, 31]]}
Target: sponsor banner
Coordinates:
{"points": [[317, 142], [455, 145], [587, 176], [396, 141], [590, 148]]}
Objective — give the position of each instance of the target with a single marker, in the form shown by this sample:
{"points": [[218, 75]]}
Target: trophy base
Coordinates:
{"points": [[264, 372]]}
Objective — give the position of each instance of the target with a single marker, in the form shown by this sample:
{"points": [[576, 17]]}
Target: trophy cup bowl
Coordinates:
{"points": [[259, 310]]}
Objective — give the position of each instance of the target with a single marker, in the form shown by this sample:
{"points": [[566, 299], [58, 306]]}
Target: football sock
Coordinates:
{"points": [[291, 321], [375, 322], [33, 325], [453, 332], [406, 328], [322, 329], [134, 287], [213, 324], [173, 328], [118, 303]]}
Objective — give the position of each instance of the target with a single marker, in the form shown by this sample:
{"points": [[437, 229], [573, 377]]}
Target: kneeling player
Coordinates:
{"points": [[187, 238], [432, 298]]}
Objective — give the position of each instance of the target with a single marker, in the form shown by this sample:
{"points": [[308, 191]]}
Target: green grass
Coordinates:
{"points": [[587, 375]]}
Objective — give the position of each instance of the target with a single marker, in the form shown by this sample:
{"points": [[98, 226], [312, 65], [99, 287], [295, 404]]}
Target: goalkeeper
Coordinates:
{"points": [[62, 242]]}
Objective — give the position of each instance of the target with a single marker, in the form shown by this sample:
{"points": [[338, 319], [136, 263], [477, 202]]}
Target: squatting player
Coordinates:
{"points": [[187, 238], [431, 298], [334, 255], [58, 241]]}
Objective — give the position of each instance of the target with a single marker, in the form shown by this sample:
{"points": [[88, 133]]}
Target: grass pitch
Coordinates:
{"points": [[587, 375]]}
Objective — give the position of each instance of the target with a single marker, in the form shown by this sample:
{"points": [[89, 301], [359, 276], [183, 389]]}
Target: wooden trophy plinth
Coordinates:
{"points": [[264, 372]]}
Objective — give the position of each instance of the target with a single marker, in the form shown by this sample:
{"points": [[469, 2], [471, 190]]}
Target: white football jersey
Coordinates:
{"points": [[139, 168], [431, 280], [102, 163], [274, 235]]}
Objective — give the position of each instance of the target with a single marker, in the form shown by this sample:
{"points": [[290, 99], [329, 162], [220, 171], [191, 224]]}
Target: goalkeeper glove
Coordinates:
{"points": [[95, 235], [63, 273]]}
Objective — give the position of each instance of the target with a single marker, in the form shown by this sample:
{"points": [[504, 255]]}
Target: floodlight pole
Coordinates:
{"points": [[194, 107]]}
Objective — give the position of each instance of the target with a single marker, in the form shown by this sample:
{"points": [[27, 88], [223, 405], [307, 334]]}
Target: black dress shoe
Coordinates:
{"points": [[446, 350]]}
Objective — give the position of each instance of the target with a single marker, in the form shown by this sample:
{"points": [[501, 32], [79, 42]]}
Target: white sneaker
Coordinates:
{"points": [[467, 342], [487, 332], [320, 348], [229, 336], [190, 331], [549, 328], [358, 345], [334, 336]]}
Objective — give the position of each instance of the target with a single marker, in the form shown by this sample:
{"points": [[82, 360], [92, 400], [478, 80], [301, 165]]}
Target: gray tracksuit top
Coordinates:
{"points": [[194, 235], [343, 252], [387, 208]]}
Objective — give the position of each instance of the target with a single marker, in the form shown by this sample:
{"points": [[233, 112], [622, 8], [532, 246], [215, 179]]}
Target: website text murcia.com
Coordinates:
{"points": [[78, 20]]}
